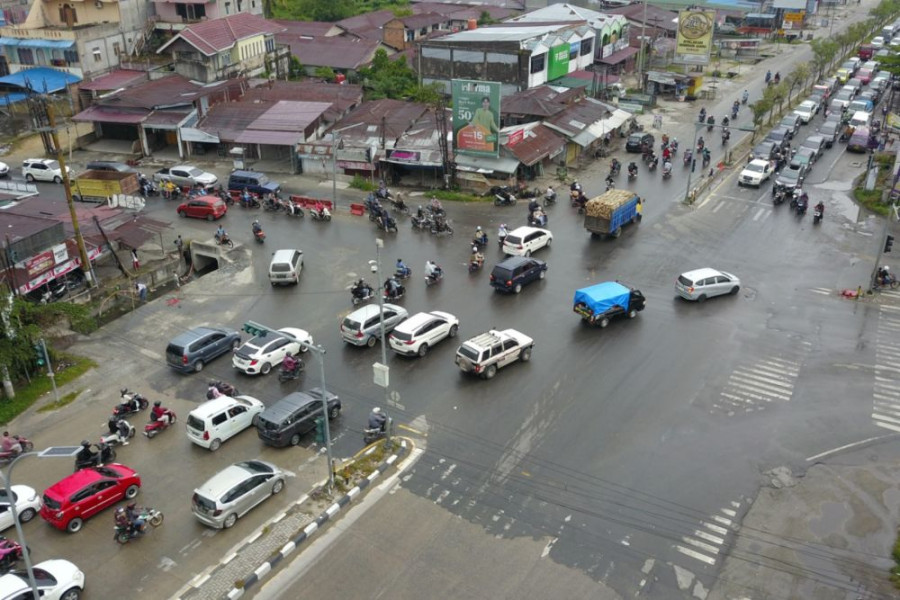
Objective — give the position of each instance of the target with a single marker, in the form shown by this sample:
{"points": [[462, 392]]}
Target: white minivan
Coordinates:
{"points": [[286, 266], [860, 119], [221, 418]]}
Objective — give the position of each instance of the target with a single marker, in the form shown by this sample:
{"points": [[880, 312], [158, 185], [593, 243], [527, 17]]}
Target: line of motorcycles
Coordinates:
{"points": [[361, 291], [799, 202]]}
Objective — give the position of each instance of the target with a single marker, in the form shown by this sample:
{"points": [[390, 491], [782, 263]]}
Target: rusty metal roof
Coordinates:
{"points": [[537, 143]]}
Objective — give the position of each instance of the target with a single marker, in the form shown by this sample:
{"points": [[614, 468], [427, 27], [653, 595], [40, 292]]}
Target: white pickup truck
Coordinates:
{"points": [[487, 352]]}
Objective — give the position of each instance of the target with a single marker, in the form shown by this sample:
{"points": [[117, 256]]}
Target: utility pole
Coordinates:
{"points": [[382, 371], [643, 43]]}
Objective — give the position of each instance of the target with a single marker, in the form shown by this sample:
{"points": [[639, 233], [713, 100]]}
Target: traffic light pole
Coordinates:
{"points": [[261, 330], [886, 245]]}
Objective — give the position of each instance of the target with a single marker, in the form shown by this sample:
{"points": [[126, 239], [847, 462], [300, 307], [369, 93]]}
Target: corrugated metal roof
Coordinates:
{"points": [[335, 52], [537, 143], [274, 138], [40, 79], [104, 114], [166, 117], [115, 80], [213, 36]]}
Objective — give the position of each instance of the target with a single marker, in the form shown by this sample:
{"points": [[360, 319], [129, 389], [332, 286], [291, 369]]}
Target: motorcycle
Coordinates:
{"points": [[802, 206], [549, 198], [394, 295], [817, 216], [387, 223], [653, 163], [8, 455], [373, 434], [423, 222], [125, 531], [778, 195], [726, 135], [504, 197], [323, 215], [745, 97], [480, 241], [538, 219], [402, 273], [575, 197], [259, 236], [104, 454], [435, 278], [289, 374], [360, 294], [373, 206], [442, 226], [702, 116], [119, 432], [224, 240], [251, 202], [706, 157], [10, 553], [632, 174], [710, 124], [475, 265], [157, 425], [292, 210], [272, 205], [667, 170], [615, 168], [399, 205], [688, 157], [132, 403], [224, 388]]}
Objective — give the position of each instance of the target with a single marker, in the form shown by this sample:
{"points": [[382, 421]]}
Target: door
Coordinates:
{"points": [[215, 345], [510, 351], [238, 420], [257, 490]]}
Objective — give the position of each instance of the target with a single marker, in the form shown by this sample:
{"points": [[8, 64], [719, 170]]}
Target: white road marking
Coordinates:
{"points": [[718, 206], [701, 545], [848, 446], [693, 554], [758, 214]]}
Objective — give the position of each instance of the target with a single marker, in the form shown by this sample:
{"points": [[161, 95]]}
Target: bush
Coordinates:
{"points": [[451, 196], [363, 184]]}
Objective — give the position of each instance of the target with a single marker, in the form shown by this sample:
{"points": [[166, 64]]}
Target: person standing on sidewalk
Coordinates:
{"points": [[179, 244], [141, 289]]}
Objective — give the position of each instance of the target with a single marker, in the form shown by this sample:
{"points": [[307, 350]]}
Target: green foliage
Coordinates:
{"points": [[326, 73], [895, 570], [402, 11], [485, 18], [295, 69], [360, 183], [427, 94], [40, 385], [64, 401], [332, 10], [451, 196]]}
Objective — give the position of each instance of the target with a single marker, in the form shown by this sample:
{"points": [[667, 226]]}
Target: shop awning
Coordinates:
{"points": [[55, 44], [8, 41], [272, 138], [487, 164], [620, 56]]}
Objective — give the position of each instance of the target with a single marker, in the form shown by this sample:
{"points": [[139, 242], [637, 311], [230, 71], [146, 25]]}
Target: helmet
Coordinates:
{"points": [[157, 403], [376, 410], [123, 391], [887, 268], [85, 443], [474, 248], [256, 221], [478, 228]]}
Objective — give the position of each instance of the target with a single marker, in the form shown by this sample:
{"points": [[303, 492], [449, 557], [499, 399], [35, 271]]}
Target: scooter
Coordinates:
{"points": [[632, 174], [288, 375], [399, 205], [778, 195], [549, 198], [125, 532], [504, 197], [436, 278], [667, 170], [387, 224], [104, 454], [156, 426], [129, 400], [119, 432], [475, 265], [480, 242], [360, 295], [324, 215], [8, 455], [292, 210], [817, 216], [259, 236], [224, 388], [224, 240], [373, 434], [10, 554], [424, 222]]}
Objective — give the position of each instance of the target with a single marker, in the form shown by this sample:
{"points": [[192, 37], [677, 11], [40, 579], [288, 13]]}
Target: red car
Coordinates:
{"points": [[68, 502], [203, 207]]}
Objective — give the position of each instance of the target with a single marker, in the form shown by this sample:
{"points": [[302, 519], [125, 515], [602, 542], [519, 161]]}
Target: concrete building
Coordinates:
{"points": [[85, 39], [519, 56], [174, 15]]}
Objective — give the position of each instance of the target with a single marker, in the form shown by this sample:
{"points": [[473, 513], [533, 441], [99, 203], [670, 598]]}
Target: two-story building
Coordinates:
{"points": [[403, 32], [178, 14], [83, 38], [232, 46]]}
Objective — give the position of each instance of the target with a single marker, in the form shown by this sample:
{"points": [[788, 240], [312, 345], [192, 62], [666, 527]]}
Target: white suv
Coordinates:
{"points": [[418, 333], [755, 173], [42, 169], [522, 241], [221, 418], [485, 353]]}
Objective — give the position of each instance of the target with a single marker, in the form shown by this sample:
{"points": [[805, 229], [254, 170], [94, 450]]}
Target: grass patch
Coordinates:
{"points": [[449, 196], [895, 570], [360, 183], [64, 401], [872, 200], [28, 394]]}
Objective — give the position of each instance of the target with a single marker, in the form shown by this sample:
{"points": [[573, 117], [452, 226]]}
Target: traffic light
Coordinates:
{"points": [[254, 329], [888, 242], [39, 356], [320, 430]]}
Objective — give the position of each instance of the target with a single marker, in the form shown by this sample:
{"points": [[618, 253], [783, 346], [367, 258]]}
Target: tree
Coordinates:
{"points": [[760, 108], [824, 51], [387, 78], [326, 73], [797, 79]]}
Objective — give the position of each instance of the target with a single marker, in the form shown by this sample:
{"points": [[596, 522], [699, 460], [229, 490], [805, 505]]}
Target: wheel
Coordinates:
{"points": [[632, 313], [235, 345], [76, 198], [423, 349], [527, 253], [209, 218], [265, 368], [603, 322], [74, 526], [132, 491], [454, 329], [198, 366], [229, 521], [57, 179], [230, 243], [895, 284], [26, 515], [371, 341], [542, 274], [549, 241], [215, 445], [157, 519], [490, 372], [517, 288], [123, 537], [497, 202], [182, 214], [617, 232], [295, 439], [333, 412], [734, 290], [278, 486], [525, 355], [701, 298], [71, 594]]}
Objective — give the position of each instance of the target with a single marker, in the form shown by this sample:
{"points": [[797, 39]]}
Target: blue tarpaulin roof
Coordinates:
{"points": [[36, 43], [42, 80]]}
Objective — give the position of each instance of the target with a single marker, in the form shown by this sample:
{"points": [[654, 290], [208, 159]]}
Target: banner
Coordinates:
{"points": [[559, 62], [476, 116], [695, 32]]}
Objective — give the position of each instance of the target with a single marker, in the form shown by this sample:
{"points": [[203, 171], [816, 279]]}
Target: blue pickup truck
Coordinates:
{"points": [[606, 214], [599, 303]]}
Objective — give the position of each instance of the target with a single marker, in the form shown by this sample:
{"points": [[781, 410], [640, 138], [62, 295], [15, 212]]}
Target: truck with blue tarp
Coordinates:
{"points": [[599, 303], [609, 212]]}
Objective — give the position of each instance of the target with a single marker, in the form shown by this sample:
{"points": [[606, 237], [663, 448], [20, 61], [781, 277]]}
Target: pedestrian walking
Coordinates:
{"points": [[179, 244], [134, 259], [141, 289], [657, 122]]}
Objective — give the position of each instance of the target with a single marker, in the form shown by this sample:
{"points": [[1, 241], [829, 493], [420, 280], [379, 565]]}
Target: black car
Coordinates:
{"points": [[515, 272], [252, 181], [765, 150], [781, 136], [792, 122], [637, 141], [791, 177]]}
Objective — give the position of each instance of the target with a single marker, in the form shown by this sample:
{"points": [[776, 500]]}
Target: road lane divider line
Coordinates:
{"points": [[850, 446]]}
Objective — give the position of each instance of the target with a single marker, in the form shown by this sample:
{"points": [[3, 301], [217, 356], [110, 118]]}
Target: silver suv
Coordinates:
{"points": [[362, 327], [485, 353]]}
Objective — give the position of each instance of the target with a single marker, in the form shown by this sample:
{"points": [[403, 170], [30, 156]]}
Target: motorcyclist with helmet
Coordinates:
{"points": [[502, 232], [480, 236], [361, 289], [257, 228], [402, 269], [432, 271], [131, 400], [377, 419], [392, 287], [160, 414], [290, 364], [477, 257], [86, 456]]}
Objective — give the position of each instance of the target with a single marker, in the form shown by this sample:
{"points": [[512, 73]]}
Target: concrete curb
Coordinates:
{"points": [[328, 514]]}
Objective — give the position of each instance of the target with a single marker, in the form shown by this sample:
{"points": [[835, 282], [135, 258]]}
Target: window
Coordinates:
{"points": [[219, 419], [573, 51], [71, 56], [26, 56], [587, 46], [68, 15], [538, 62], [117, 49], [97, 56]]}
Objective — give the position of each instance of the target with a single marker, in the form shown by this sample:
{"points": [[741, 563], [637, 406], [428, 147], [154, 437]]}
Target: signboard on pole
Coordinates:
{"points": [[559, 62], [476, 116], [695, 33]]}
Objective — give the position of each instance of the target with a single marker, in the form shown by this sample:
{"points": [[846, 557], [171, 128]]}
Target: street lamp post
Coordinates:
{"points": [[51, 452]]}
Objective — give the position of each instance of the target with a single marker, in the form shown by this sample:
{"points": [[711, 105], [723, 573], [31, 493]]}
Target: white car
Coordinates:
{"points": [[186, 175], [42, 169], [895, 41], [56, 580], [806, 111], [755, 173], [260, 354], [522, 241], [4, 169], [219, 419], [701, 284], [417, 334], [28, 503], [877, 42]]}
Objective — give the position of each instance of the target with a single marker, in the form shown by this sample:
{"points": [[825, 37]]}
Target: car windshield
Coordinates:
{"points": [[262, 180], [791, 173], [756, 168], [194, 172], [52, 165], [195, 423], [636, 138], [513, 239], [254, 466], [51, 502]]}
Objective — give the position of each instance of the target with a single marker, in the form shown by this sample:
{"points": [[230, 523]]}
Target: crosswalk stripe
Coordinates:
{"points": [[708, 537], [701, 545], [749, 384], [770, 374], [887, 368], [885, 418], [722, 520], [768, 398], [694, 554], [892, 410], [788, 385], [887, 426], [716, 528], [887, 380], [822, 291], [740, 399]]}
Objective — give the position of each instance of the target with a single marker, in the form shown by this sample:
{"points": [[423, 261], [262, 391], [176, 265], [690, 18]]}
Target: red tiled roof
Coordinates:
{"points": [[334, 52], [211, 37], [115, 80]]}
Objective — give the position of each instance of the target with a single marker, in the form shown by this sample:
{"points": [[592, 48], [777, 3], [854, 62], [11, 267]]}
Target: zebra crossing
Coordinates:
{"points": [[707, 542], [756, 385], [886, 390]]}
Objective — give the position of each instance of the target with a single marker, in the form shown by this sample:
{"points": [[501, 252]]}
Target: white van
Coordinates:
{"points": [[286, 266], [860, 119]]}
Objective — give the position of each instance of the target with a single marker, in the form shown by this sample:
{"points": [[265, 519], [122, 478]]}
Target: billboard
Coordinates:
{"points": [[559, 62], [476, 116], [695, 32]]}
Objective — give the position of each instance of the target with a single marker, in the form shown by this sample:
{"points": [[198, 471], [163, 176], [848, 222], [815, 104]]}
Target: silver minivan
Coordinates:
{"points": [[701, 284], [231, 493], [286, 266], [362, 327]]}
